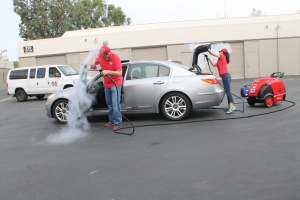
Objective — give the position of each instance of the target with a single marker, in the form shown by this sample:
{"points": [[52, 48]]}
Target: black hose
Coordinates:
{"points": [[221, 119]]}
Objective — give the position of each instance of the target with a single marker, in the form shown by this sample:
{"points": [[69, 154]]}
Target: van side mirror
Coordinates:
{"points": [[57, 75]]}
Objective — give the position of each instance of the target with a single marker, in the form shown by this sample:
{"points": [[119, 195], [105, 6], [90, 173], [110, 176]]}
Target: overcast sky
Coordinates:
{"points": [[152, 11]]}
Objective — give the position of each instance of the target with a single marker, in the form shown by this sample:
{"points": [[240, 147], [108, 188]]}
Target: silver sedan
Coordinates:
{"points": [[162, 87]]}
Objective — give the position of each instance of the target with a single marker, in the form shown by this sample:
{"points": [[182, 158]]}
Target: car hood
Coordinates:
{"points": [[65, 93], [197, 51]]}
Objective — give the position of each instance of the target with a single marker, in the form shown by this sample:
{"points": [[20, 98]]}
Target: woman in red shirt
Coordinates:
{"points": [[221, 64]]}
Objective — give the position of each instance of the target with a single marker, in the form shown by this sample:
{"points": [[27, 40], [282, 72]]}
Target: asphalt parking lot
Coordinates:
{"points": [[203, 157]]}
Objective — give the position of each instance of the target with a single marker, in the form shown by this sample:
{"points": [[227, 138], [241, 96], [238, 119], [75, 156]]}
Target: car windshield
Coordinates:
{"points": [[68, 70]]}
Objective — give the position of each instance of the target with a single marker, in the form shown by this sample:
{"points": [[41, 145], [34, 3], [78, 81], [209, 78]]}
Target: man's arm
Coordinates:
{"points": [[109, 72]]}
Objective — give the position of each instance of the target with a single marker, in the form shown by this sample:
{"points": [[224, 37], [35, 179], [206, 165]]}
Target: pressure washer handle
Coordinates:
{"points": [[101, 70]]}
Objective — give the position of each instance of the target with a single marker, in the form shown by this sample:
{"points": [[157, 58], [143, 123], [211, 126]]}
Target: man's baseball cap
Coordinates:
{"points": [[104, 50], [224, 50]]}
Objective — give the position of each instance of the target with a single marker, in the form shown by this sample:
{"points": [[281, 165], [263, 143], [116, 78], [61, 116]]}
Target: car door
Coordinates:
{"points": [[42, 83], [55, 80], [144, 84], [32, 82]]}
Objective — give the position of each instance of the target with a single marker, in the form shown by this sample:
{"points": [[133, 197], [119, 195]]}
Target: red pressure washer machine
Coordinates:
{"points": [[267, 90]]}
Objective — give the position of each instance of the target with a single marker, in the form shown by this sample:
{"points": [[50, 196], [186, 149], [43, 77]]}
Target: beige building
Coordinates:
{"points": [[260, 45], [5, 66]]}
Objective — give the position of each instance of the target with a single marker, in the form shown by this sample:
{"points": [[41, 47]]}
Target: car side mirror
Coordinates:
{"points": [[57, 75]]}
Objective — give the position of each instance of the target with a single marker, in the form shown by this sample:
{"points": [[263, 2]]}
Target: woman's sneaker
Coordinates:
{"points": [[226, 109], [230, 110]]}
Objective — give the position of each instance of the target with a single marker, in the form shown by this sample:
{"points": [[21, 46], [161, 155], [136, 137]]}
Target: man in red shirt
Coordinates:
{"points": [[111, 65]]}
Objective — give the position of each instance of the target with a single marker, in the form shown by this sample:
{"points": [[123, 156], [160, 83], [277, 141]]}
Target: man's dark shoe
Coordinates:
{"points": [[109, 124], [117, 127]]}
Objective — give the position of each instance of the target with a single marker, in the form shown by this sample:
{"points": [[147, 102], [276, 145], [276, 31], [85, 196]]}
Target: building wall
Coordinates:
{"points": [[3, 78], [5, 66], [260, 44]]}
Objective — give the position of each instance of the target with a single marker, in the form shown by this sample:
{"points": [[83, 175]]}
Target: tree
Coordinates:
{"points": [[52, 18], [88, 14], [16, 64], [256, 13], [115, 16]]}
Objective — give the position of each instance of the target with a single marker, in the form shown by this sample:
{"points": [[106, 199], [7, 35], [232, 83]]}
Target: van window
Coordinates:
{"points": [[18, 74], [53, 71], [32, 73], [68, 70], [41, 73]]}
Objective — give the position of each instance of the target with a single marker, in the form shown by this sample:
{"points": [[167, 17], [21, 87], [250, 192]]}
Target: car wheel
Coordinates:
{"points": [[61, 111], [269, 101], [21, 95], [251, 101], [40, 96], [175, 106]]}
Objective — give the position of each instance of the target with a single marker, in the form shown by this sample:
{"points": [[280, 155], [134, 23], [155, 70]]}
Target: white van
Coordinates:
{"points": [[39, 80]]}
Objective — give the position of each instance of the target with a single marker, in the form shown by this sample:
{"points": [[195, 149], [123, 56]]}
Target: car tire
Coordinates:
{"points": [[251, 101], [175, 106], [60, 111], [40, 96], [269, 101], [21, 95]]}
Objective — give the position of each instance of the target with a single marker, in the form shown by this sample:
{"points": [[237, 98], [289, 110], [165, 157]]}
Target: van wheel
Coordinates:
{"points": [[175, 106], [40, 96], [61, 111], [21, 95]]}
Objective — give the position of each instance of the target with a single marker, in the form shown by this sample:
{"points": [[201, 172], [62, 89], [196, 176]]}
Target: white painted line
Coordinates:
{"points": [[6, 99]]}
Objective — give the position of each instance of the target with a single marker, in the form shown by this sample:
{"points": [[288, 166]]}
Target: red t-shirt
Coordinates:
{"points": [[112, 64], [222, 65]]}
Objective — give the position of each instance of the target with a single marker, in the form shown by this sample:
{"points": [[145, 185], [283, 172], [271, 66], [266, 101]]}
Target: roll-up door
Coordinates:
{"points": [[157, 53], [236, 65], [51, 60]]}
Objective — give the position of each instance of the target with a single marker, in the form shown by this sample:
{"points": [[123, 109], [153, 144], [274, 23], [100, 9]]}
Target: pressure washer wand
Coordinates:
{"points": [[100, 70]]}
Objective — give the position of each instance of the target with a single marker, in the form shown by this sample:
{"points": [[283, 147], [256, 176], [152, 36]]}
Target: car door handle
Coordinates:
{"points": [[158, 83]]}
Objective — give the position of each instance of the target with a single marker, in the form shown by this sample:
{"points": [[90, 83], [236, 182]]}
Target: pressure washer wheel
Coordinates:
{"points": [[251, 101], [269, 101]]}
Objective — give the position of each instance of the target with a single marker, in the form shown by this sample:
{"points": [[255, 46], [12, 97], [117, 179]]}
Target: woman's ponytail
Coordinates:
{"points": [[226, 54]]}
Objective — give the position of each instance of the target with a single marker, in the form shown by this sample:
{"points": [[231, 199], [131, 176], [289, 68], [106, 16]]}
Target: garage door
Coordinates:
{"points": [[236, 65], [157, 53], [51, 60]]}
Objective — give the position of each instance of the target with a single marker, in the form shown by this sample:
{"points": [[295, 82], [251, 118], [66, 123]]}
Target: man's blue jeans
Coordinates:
{"points": [[226, 79], [112, 97]]}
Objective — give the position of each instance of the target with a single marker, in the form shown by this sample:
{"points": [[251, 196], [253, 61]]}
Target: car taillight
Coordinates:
{"points": [[210, 80]]}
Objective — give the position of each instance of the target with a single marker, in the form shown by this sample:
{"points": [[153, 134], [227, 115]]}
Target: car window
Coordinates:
{"points": [[41, 73], [96, 82], [53, 71], [18, 74], [146, 70], [163, 71], [32, 73]]}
